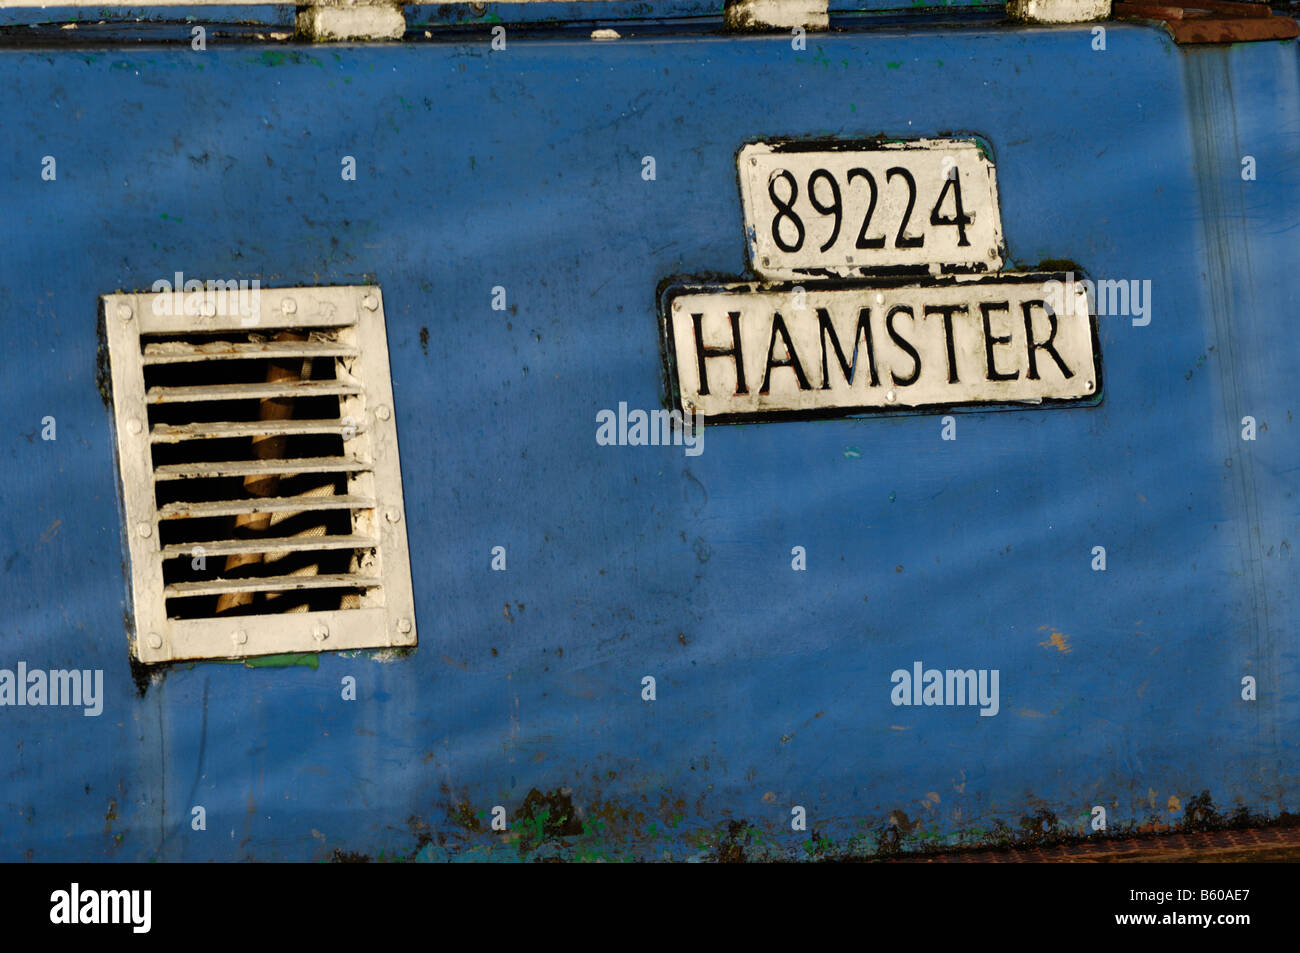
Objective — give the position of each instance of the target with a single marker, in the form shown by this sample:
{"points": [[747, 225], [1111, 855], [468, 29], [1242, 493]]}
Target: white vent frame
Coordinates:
{"points": [[155, 637]]}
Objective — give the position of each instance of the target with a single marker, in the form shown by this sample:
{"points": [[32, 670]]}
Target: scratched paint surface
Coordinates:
{"points": [[522, 169]]}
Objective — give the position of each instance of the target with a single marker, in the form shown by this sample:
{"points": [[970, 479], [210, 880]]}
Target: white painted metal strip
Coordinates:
{"points": [[121, 328], [267, 504], [179, 352], [242, 636], [216, 587], [239, 468], [279, 389], [249, 309], [282, 544], [174, 433], [386, 478]]}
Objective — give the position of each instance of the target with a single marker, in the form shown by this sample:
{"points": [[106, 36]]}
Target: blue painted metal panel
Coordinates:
{"points": [[522, 169]]}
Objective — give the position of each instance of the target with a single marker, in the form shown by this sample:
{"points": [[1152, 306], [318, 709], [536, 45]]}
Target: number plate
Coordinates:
{"points": [[864, 208], [742, 351]]}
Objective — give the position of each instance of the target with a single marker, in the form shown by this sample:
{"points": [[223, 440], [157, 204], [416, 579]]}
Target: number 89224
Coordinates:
{"points": [[928, 205]]}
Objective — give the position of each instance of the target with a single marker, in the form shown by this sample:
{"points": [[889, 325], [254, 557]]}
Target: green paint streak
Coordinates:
{"points": [[279, 58], [893, 64], [168, 218], [820, 58], [286, 660]]}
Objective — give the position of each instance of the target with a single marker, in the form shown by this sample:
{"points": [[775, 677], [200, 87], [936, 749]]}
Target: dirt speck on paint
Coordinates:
{"points": [[349, 857]]}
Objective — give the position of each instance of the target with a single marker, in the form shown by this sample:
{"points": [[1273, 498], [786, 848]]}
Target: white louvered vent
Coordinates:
{"points": [[261, 484]]}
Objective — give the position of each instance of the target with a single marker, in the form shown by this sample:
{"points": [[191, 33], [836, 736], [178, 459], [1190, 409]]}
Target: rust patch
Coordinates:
{"points": [[1201, 815], [464, 816], [1213, 21], [1039, 828], [615, 816], [1057, 640], [731, 848], [545, 817], [899, 821]]}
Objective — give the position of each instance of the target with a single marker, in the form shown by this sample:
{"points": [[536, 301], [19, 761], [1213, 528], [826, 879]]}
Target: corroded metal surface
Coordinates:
{"points": [[1214, 21]]}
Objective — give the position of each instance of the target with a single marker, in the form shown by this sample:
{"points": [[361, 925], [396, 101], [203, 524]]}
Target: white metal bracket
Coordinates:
{"points": [[350, 20], [753, 15], [1058, 11]]}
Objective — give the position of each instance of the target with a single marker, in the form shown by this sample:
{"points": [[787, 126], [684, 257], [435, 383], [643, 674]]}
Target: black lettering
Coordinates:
{"points": [[861, 333], [1028, 308], [989, 340], [904, 345], [778, 327], [733, 352], [948, 310]]}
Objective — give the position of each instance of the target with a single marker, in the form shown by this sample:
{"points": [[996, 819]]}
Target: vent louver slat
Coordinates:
{"points": [[174, 433], [269, 584], [231, 468], [269, 504], [271, 544], [288, 390], [263, 462], [178, 352]]}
